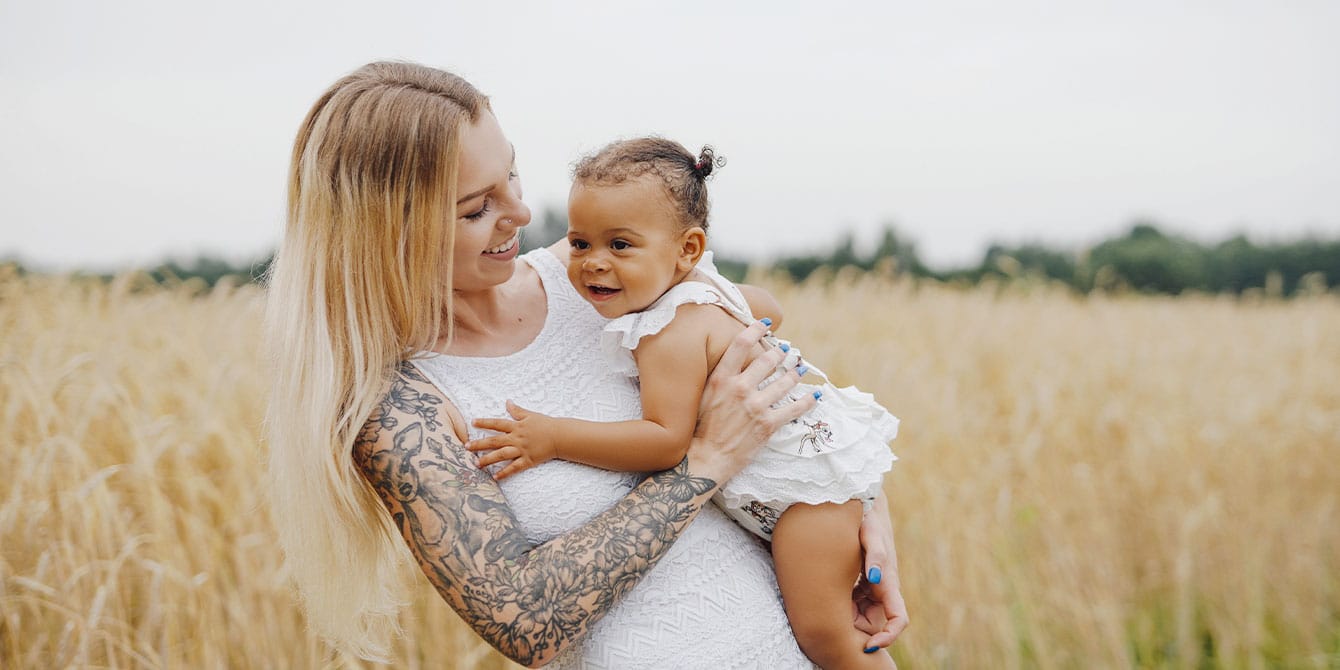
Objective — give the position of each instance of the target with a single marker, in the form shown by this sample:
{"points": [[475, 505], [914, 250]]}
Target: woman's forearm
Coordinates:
{"points": [[528, 601], [578, 577]]}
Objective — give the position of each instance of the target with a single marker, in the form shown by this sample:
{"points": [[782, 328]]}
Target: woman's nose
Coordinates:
{"points": [[518, 215]]}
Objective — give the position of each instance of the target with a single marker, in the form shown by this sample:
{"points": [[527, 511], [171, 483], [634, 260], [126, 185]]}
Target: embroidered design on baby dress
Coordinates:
{"points": [[819, 437], [766, 516]]}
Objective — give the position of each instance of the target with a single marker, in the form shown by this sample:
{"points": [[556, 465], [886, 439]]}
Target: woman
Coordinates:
{"points": [[401, 244]]}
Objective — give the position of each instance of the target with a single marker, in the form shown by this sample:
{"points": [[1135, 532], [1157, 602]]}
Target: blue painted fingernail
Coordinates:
{"points": [[875, 575], [818, 394], [766, 321], [785, 347], [802, 370], [871, 650]]}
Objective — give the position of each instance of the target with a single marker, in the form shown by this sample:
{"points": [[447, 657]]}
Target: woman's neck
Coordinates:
{"points": [[498, 320], [480, 312]]}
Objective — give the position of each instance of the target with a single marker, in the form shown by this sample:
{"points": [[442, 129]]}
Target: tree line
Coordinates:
{"points": [[1144, 259]]}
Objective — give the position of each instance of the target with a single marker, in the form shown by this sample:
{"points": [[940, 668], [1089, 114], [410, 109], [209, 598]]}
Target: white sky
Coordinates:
{"points": [[131, 131]]}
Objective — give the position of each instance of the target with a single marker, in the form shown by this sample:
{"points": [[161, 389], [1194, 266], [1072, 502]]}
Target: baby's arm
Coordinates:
{"points": [[531, 438], [673, 366]]}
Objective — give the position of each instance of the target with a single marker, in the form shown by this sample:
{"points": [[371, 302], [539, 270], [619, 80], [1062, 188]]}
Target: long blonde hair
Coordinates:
{"points": [[361, 280]]}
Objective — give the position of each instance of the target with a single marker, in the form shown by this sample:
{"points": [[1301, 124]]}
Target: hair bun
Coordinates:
{"points": [[707, 160]]}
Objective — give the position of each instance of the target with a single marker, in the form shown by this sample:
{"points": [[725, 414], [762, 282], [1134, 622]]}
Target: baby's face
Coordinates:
{"points": [[626, 245]]}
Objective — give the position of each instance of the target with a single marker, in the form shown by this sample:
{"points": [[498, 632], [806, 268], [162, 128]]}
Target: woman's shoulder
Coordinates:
{"points": [[410, 402], [559, 250]]}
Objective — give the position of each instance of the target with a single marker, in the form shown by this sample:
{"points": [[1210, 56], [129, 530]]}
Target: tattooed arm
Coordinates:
{"points": [[529, 601]]}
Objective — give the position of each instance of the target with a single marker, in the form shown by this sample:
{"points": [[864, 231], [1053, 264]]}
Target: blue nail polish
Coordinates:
{"points": [[818, 394], [802, 370], [870, 650], [785, 347], [875, 575], [766, 321]]}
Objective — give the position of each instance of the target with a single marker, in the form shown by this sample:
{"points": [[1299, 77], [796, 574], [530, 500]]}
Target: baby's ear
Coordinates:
{"points": [[693, 242]]}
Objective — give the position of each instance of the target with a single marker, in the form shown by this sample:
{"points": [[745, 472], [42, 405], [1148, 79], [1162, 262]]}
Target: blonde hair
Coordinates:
{"points": [[361, 281]]}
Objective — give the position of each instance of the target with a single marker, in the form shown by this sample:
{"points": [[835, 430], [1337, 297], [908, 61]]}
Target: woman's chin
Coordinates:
{"points": [[488, 273]]}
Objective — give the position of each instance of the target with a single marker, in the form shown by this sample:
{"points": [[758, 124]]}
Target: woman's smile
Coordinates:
{"points": [[505, 251]]}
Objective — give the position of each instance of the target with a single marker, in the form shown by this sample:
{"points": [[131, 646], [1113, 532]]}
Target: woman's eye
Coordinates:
{"points": [[478, 214]]}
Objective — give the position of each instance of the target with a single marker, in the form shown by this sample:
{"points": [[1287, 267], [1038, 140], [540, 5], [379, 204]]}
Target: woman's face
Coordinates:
{"points": [[489, 208]]}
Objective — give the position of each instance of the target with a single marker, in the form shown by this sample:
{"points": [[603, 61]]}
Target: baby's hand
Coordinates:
{"points": [[526, 441]]}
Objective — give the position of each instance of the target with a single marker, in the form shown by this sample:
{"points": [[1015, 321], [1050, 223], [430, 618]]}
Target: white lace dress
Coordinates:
{"points": [[712, 601], [836, 452]]}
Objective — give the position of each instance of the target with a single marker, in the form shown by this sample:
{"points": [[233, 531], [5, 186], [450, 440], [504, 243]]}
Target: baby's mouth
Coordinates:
{"points": [[601, 291]]}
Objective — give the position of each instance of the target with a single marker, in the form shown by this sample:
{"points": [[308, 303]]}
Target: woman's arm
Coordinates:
{"points": [[531, 601]]}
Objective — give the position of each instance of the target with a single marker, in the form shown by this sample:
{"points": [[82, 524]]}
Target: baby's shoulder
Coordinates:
{"points": [[690, 316], [698, 318], [710, 324], [699, 324], [706, 315]]}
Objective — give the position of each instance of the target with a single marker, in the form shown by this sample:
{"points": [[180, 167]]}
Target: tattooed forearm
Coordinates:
{"points": [[527, 601]]}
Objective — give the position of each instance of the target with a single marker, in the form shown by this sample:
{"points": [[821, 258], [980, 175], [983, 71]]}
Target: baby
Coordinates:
{"points": [[637, 229]]}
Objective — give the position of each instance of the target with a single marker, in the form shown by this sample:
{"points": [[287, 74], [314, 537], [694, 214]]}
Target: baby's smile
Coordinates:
{"points": [[601, 292]]}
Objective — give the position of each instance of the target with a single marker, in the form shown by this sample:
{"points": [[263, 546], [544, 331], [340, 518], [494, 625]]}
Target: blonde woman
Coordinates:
{"points": [[399, 312]]}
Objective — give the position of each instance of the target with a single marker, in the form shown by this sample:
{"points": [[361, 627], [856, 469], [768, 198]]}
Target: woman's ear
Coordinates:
{"points": [[693, 242]]}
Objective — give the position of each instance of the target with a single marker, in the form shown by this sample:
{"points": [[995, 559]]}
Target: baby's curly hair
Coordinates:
{"points": [[684, 176]]}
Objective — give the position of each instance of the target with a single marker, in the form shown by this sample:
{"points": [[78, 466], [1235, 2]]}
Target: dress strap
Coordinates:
{"points": [[553, 276]]}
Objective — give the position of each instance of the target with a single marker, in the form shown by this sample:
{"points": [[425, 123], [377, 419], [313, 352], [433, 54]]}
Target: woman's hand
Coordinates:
{"points": [[735, 416], [877, 600]]}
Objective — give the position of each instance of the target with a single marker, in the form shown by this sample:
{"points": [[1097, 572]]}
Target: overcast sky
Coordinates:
{"points": [[133, 131]]}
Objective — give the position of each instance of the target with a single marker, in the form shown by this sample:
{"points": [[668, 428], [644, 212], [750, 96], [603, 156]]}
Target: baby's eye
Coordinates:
{"points": [[579, 244], [620, 245]]}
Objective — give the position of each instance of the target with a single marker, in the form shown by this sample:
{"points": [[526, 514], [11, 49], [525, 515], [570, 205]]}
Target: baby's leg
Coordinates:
{"points": [[818, 555]]}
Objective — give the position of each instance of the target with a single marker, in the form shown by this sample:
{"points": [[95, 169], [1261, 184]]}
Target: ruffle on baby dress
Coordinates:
{"points": [[836, 452]]}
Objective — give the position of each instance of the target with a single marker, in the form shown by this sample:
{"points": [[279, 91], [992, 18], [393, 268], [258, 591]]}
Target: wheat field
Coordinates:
{"points": [[1103, 482]]}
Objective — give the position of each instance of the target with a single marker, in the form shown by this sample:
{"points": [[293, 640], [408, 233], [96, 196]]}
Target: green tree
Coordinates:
{"points": [[1148, 260]]}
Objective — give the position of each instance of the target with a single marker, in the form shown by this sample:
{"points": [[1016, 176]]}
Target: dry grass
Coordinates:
{"points": [[1106, 482]]}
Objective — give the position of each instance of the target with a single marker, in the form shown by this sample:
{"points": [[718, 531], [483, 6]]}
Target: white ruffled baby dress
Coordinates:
{"points": [[836, 452]]}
